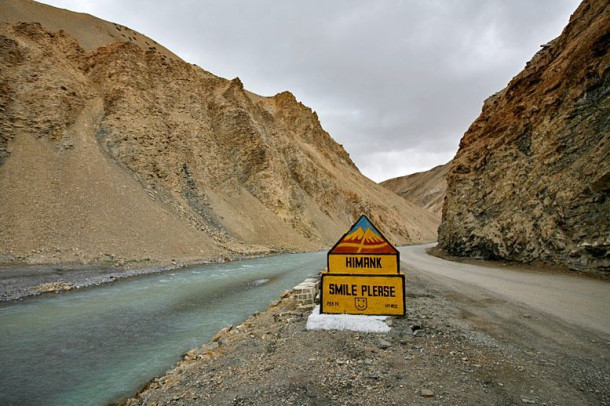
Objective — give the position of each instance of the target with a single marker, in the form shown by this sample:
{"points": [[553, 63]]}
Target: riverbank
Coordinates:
{"points": [[18, 281], [105, 343], [456, 346]]}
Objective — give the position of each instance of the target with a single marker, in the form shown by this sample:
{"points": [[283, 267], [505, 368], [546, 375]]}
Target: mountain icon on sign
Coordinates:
{"points": [[363, 238]]}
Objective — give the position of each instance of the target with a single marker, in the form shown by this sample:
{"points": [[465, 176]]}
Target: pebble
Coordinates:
{"points": [[383, 344], [221, 333], [426, 393]]}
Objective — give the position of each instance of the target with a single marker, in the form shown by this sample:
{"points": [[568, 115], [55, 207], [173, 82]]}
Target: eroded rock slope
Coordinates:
{"points": [[112, 148], [425, 189], [531, 179]]}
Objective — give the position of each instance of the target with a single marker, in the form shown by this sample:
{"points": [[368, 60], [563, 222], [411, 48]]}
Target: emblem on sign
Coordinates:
{"points": [[363, 249], [364, 238], [360, 303]]}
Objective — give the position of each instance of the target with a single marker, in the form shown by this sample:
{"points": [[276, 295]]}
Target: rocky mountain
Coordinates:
{"points": [[531, 179], [114, 149], [424, 189]]}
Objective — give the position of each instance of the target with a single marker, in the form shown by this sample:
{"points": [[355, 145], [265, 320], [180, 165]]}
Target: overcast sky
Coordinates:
{"points": [[396, 82]]}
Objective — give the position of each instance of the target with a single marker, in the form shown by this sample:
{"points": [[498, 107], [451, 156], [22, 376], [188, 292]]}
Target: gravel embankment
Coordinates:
{"points": [[23, 281]]}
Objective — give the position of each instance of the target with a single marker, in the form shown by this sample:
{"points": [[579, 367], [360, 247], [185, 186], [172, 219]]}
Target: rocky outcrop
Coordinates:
{"points": [[424, 189], [531, 179], [114, 149]]}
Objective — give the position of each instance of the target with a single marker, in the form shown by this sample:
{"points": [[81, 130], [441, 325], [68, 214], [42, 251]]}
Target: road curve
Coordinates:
{"points": [[580, 301]]}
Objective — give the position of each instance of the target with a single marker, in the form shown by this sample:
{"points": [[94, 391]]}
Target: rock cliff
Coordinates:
{"points": [[114, 149], [531, 179], [424, 189]]}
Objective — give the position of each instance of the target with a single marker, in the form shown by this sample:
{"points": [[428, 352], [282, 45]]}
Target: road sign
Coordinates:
{"points": [[363, 294], [363, 250], [363, 264]]}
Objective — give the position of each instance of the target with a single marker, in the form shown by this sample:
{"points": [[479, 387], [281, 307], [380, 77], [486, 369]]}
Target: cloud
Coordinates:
{"points": [[386, 77], [390, 164]]}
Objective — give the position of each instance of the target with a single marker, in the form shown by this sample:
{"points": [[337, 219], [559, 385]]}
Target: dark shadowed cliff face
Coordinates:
{"points": [[114, 148], [531, 179]]}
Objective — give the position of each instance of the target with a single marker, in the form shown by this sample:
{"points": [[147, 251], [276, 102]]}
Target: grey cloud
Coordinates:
{"points": [[384, 76]]}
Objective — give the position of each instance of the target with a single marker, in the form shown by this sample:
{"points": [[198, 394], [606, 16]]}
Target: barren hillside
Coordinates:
{"points": [[531, 180], [425, 189], [114, 149]]}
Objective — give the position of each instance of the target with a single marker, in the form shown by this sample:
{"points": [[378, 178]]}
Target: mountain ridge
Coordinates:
{"points": [[132, 154], [425, 189]]}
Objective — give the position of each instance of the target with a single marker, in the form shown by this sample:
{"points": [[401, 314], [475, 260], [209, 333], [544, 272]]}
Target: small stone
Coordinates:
{"points": [[221, 333], [383, 344], [528, 401], [426, 393]]}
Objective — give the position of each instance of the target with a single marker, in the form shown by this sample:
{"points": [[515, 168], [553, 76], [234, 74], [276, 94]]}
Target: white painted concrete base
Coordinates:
{"points": [[352, 322]]}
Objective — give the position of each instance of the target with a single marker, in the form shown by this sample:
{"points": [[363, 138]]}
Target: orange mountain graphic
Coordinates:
{"points": [[363, 238], [368, 235]]}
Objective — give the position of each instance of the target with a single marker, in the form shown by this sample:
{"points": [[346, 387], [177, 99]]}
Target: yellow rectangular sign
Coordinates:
{"points": [[363, 294], [365, 264]]}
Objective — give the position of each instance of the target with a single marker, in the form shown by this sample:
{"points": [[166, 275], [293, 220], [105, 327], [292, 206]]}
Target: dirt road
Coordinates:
{"points": [[581, 301]]}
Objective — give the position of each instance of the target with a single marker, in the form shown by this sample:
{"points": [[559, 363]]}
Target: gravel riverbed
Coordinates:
{"points": [[20, 281]]}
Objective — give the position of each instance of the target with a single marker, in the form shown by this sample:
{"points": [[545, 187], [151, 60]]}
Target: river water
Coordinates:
{"points": [[102, 344]]}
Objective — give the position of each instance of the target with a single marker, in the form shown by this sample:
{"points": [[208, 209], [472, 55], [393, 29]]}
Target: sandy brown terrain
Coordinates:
{"points": [[425, 189], [113, 150]]}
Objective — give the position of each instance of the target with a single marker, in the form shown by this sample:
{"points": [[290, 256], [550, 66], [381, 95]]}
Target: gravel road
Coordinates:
{"points": [[470, 336], [581, 301]]}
